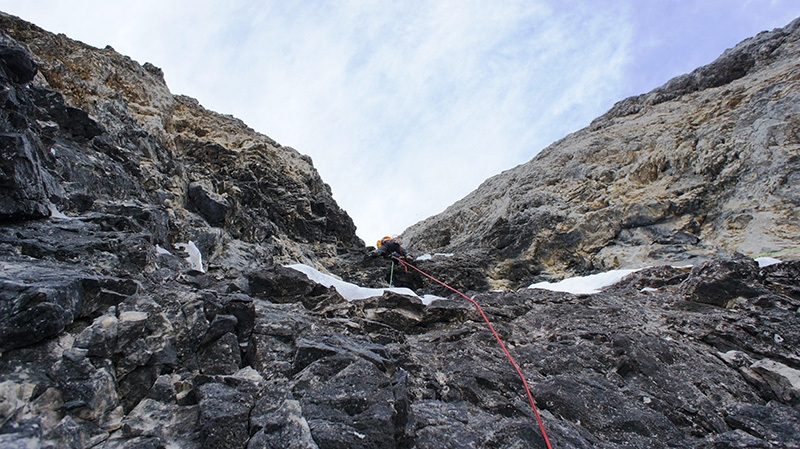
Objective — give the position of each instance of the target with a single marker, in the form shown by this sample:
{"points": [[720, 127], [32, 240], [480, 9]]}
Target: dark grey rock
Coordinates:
{"points": [[100, 338], [15, 62], [37, 302], [771, 424], [286, 427], [343, 413], [277, 282], [73, 122], [243, 308], [719, 282], [221, 325], [25, 186], [224, 416], [223, 356], [211, 206]]}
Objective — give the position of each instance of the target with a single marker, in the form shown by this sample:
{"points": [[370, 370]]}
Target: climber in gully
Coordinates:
{"points": [[388, 247]]}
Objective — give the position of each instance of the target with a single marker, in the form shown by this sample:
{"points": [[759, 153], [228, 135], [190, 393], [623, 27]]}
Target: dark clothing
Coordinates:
{"points": [[389, 248]]}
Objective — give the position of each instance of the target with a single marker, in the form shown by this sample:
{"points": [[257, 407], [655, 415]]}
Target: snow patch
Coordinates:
{"points": [[767, 261], [427, 299], [55, 213], [352, 292], [586, 284], [132, 316], [427, 256], [596, 282], [195, 258]]}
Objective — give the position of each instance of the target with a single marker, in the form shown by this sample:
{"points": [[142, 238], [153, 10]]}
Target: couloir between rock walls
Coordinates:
{"points": [[111, 338]]}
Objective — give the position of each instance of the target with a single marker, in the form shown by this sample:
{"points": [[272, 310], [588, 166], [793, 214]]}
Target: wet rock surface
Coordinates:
{"points": [[112, 337]]}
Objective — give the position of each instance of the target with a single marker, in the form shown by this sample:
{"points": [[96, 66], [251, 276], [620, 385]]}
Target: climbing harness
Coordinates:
{"points": [[406, 265]]}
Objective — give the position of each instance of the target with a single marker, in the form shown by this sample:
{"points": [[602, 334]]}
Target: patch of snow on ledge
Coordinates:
{"points": [[428, 256], [195, 258], [352, 292], [767, 261], [586, 284], [55, 213]]}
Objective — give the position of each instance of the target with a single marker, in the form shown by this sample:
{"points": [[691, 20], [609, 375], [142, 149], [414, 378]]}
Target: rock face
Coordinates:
{"points": [[98, 133], [111, 337], [707, 163]]}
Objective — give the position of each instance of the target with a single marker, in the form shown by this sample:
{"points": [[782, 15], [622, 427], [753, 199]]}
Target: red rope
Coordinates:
{"points": [[499, 341]]}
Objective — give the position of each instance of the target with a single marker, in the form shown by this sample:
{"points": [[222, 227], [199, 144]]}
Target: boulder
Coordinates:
{"points": [[15, 62], [224, 413], [721, 282], [214, 208], [25, 185]]}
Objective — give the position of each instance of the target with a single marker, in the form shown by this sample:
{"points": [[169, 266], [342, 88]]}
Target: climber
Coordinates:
{"points": [[389, 247]]}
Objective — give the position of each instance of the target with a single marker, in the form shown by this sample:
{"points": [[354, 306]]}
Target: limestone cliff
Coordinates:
{"points": [[707, 163]]}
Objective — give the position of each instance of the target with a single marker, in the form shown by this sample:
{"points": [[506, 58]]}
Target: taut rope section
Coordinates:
{"points": [[499, 341]]}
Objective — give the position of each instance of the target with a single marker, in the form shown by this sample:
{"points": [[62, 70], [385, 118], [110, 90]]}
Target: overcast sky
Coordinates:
{"points": [[407, 106]]}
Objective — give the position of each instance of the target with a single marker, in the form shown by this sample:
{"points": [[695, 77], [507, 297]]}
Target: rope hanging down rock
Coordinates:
{"points": [[406, 265]]}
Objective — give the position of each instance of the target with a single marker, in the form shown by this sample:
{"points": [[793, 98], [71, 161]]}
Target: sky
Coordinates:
{"points": [[406, 107]]}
